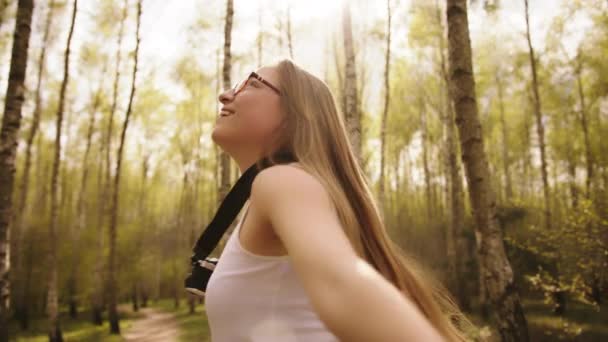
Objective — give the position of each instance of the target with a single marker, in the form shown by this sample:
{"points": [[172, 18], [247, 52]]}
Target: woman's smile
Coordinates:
{"points": [[225, 111]]}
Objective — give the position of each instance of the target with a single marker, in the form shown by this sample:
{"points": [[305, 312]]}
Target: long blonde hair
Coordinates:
{"points": [[315, 134]]}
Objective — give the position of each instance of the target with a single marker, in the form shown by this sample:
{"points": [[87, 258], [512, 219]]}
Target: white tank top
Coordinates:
{"points": [[258, 298]]}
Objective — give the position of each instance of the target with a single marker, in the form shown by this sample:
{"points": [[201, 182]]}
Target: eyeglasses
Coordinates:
{"points": [[240, 85]]}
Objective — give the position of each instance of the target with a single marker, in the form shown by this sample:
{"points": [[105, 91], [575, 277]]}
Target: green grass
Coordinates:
{"points": [[581, 323], [545, 326], [79, 329], [192, 327]]}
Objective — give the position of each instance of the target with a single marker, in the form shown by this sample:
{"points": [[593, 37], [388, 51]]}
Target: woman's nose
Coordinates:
{"points": [[226, 96]]}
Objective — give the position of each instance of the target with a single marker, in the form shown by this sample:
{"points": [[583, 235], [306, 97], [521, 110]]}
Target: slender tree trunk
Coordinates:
{"points": [[110, 128], [279, 28], [224, 158], [134, 295], [425, 160], [143, 287], [589, 160], [260, 38], [387, 91], [22, 309], [352, 113], [505, 140], [104, 207], [289, 36], [559, 294], [28, 270], [456, 251], [113, 286], [526, 180], [182, 215], [494, 265], [540, 129], [52, 298], [192, 205], [340, 78], [11, 122], [81, 201], [65, 214], [97, 296], [456, 193], [572, 178], [397, 193], [227, 67], [100, 300], [115, 94]]}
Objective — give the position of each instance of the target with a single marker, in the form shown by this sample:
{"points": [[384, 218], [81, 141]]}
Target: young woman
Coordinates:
{"points": [[310, 259]]}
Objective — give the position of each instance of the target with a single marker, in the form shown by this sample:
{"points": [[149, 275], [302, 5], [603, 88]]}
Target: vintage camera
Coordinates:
{"points": [[196, 282]]}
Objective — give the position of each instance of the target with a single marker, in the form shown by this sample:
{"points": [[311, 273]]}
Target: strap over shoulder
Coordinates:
{"points": [[232, 204]]}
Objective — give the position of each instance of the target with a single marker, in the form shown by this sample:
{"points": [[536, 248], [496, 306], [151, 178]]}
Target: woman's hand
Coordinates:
{"points": [[354, 301]]}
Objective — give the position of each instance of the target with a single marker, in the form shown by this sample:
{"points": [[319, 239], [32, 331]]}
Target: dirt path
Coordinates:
{"points": [[155, 326]]}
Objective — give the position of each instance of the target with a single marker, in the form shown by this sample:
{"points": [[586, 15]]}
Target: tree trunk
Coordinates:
{"points": [[98, 292], [289, 36], [279, 30], [19, 226], [99, 302], [497, 273], [112, 285], [142, 287], [81, 202], [11, 122], [526, 180], [134, 297], [144, 299], [428, 193], [572, 177], [505, 140], [456, 199], [339, 76], [225, 161], [559, 295], [260, 39], [540, 130], [589, 161], [352, 114], [52, 299], [387, 90], [224, 158], [456, 251]]}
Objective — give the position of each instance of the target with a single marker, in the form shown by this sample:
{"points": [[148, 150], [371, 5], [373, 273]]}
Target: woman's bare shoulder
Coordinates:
{"points": [[288, 180]]}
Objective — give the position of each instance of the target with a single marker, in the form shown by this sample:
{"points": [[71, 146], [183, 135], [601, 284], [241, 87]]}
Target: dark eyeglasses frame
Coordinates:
{"points": [[239, 86]]}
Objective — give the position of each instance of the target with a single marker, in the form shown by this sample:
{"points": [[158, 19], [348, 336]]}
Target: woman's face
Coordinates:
{"points": [[250, 119]]}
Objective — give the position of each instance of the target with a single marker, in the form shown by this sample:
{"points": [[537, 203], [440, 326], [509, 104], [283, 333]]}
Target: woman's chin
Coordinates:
{"points": [[216, 135], [220, 135]]}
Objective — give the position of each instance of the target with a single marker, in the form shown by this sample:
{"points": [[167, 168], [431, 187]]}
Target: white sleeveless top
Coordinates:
{"points": [[258, 298]]}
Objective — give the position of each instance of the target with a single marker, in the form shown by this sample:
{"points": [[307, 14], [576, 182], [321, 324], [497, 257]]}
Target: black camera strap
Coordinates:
{"points": [[229, 209]]}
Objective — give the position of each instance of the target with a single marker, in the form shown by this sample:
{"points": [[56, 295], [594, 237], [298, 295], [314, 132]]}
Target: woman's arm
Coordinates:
{"points": [[354, 301]]}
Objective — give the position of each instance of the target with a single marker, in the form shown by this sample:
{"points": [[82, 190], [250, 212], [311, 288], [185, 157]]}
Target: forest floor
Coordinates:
{"points": [[155, 325], [192, 326], [79, 329], [163, 320]]}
